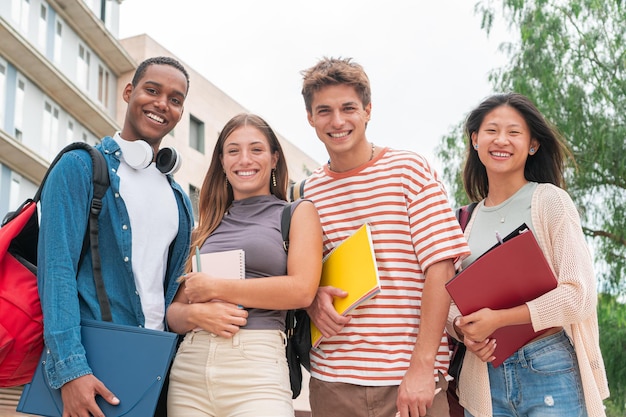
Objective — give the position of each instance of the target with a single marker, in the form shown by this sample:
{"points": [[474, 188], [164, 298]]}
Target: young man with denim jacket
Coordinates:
{"points": [[144, 234]]}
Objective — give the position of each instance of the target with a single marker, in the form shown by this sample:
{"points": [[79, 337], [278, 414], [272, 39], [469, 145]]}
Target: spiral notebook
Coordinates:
{"points": [[226, 264]]}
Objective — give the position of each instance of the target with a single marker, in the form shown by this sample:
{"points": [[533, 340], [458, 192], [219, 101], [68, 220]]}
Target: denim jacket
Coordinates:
{"points": [[66, 285]]}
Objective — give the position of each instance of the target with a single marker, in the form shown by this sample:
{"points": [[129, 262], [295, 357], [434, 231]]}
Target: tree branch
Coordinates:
{"points": [[601, 233]]}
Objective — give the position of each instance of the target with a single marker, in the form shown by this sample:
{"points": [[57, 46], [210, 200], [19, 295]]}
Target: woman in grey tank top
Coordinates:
{"points": [[232, 360]]}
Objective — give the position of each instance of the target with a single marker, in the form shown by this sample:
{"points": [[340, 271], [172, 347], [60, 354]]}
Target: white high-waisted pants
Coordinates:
{"points": [[244, 376]]}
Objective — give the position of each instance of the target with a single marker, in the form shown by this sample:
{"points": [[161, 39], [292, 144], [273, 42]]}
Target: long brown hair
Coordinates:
{"points": [[216, 194]]}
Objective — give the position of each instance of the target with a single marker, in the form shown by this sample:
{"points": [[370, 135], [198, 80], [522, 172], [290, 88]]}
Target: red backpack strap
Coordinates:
{"points": [[463, 214]]}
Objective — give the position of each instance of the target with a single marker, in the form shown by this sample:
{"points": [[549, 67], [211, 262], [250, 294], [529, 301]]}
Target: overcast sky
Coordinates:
{"points": [[428, 61]]}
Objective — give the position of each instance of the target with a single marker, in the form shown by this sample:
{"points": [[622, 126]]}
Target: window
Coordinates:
{"points": [[19, 13], [3, 92], [58, 41], [94, 6], [17, 189], [50, 130], [43, 27], [82, 70], [103, 86], [194, 196], [196, 134], [69, 133], [19, 109], [91, 139], [14, 191], [107, 14]]}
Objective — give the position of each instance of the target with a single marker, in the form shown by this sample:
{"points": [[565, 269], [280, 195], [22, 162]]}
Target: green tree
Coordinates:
{"points": [[569, 57], [612, 322]]}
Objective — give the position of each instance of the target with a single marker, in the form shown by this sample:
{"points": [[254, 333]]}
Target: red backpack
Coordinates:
{"points": [[21, 319]]}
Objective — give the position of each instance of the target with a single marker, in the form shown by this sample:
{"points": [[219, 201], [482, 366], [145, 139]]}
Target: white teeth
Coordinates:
{"points": [[155, 117], [501, 154], [339, 135], [245, 173]]}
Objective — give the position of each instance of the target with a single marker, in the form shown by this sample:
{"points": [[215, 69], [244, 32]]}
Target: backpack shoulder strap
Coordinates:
{"points": [[101, 183], [463, 214], [285, 224], [100, 171]]}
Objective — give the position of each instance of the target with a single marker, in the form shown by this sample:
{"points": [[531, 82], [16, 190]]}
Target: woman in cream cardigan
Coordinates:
{"points": [[514, 168]]}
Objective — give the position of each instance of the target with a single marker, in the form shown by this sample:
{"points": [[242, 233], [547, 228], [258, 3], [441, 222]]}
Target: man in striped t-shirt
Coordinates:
{"points": [[391, 353]]}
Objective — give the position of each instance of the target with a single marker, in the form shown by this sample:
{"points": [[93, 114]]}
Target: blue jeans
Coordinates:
{"points": [[541, 379]]}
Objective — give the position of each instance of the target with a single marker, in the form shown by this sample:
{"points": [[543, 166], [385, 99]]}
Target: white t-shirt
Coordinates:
{"points": [[153, 213]]}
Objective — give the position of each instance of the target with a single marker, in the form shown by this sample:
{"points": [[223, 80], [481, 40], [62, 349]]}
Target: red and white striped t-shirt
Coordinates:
{"points": [[413, 227]]}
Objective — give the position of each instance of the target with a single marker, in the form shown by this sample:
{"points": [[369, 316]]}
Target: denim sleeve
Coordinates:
{"points": [[64, 213], [180, 247]]}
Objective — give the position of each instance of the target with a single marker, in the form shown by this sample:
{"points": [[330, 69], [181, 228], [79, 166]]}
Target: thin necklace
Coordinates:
{"points": [[502, 218], [371, 156]]}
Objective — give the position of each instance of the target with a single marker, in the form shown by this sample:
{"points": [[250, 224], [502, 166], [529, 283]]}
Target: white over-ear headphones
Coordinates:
{"points": [[138, 154]]}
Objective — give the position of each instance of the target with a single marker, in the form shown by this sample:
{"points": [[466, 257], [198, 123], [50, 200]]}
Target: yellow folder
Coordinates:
{"points": [[351, 266]]}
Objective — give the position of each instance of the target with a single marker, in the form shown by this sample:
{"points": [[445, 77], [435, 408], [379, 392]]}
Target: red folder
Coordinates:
{"points": [[507, 275]]}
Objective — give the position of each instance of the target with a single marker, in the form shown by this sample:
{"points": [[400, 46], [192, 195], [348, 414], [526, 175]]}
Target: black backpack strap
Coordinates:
{"points": [[100, 182], [285, 224], [100, 185], [100, 170]]}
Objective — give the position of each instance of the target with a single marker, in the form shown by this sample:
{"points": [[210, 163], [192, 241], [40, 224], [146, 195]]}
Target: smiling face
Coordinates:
{"points": [[248, 160], [504, 142], [155, 104], [339, 119]]}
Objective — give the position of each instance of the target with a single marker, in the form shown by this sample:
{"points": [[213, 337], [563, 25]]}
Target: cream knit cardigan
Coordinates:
{"points": [[571, 305]]}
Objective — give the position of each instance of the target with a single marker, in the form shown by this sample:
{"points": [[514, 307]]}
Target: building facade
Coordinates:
{"points": [[62, 71], [59, 66]]}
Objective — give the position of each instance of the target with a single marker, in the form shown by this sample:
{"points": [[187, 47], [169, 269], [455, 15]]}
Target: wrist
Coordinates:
{"points": [[422, 360]]}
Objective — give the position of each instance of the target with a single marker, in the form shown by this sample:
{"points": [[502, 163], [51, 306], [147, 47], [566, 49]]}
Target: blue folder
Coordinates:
{"points": [[132, 362]]}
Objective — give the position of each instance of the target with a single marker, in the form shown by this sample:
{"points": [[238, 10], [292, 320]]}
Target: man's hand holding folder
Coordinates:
{"points": [[349, 278], [130, 361], [506, 276]]}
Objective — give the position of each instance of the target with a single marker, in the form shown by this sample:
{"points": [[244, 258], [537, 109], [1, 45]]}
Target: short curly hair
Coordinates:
{"points": [[335, 71]]}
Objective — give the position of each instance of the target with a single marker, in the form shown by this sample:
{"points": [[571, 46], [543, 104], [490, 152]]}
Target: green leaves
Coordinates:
{"points": [[612, 322], [569, 57]]}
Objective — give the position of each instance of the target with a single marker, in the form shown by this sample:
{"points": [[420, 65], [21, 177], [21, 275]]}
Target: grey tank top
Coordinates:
{"points": [[253, 224]]}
